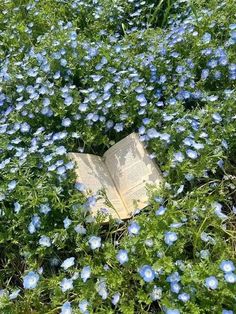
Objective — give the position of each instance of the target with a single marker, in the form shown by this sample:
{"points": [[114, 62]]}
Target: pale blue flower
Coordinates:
{"points": [[67, 222], [152, 133], [184, 297], [44, 209], [178, 157], [94, 242], [204, 254], [119, 127], [80, 229], [227, 312], [66, 308], [34, 224], [156, 293], [147, 273], [83, 306], [175, 287], [172, 311], [170, 237], [68, 263], [191, 153], [66, 122], [227, 266], [61, 150], [115, 298], [12, 185], [230, 277], [85, 273], [25, 127], [17, 207], [122, 256], [45, 241], [14, 294], [134, 228], [161, 211], [217, 117], [30, 280], [174, 277], [211, 282], [101, 289], [80, 187], [66, 284]]}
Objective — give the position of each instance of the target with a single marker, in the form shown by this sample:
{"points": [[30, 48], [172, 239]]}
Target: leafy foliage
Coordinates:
{"points": [[79, 76]]}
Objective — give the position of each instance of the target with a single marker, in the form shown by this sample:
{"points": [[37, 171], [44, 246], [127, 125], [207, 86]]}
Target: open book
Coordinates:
{"points": [[123, 171]]}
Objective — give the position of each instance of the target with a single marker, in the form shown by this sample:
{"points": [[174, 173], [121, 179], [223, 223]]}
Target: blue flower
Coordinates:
{"points": [[115, 298], [184, 297], [147, 273], [119, 127], [227, 266], [44, 209], [122, 256], [206, 38], [67, 222], [66, 122], [156, 293], [230, 277], [80, 229], [45, 241], [134, 228], [85, 273], [94, 242], [30, 280], [161, 211], [174, 277], [83, 306], [175, 287], [170, 237], [80, 187], [217, 117], [68, 263], [14, 294], [66, 308], [25, 127], [17, 207], [66, 284], [191, 153], [211, 282], [204, 74], [172, 311], [101, 289], [227, 312], [34, 224], [178, 157], [152, 133], [12, 185]]}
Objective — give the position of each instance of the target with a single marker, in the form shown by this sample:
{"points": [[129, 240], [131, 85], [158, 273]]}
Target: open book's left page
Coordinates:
{"points": [[93, 173]]}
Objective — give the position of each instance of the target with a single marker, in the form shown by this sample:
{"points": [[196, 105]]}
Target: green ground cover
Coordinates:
{"points": [[79, 76]]}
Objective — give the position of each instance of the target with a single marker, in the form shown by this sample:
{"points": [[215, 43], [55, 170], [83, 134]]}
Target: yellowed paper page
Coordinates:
{"points": [[131, 169], [93, 173]]}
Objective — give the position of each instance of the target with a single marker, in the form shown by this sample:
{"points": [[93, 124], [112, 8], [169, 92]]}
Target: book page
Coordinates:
{"points": [[131, 169], [93, 173]]}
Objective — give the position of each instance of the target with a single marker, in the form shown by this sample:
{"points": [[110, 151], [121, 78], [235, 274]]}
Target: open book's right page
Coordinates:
{"points": [[131, 169]]}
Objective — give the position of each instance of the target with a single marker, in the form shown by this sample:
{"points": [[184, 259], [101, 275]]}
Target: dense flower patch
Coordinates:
{"points": [[79, 76]]}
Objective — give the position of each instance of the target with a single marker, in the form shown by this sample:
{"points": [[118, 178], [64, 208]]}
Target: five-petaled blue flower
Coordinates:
{"points": [[170, 237], [211, 282], [147, 273], [122, 256], [30, 280], [227, 266], [94, 242]]}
